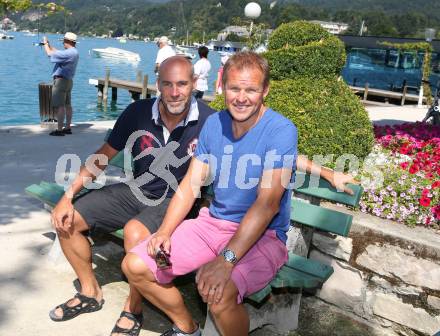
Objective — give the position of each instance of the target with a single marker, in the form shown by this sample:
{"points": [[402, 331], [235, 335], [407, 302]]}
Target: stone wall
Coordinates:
{"points": [[385, 273]]}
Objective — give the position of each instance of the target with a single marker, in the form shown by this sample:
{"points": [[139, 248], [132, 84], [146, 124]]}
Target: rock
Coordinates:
{"points": [[393, 309], [408, 290], [345, 288], [339, 247], [382, 283], [434, 302], [392, 261]]}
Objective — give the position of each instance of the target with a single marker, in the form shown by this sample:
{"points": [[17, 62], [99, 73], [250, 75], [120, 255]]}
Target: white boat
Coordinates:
{"points": [[110, 52], [4, 36], [181, 51]]}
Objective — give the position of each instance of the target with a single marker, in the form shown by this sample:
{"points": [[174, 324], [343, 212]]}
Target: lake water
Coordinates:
{"points": [[23, 66]]}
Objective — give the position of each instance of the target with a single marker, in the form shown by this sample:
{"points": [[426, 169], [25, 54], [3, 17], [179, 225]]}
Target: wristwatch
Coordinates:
{"points": [[229, 256]]}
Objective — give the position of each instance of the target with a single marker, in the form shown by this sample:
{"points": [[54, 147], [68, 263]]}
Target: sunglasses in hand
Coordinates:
{"points": [[162, 259]]}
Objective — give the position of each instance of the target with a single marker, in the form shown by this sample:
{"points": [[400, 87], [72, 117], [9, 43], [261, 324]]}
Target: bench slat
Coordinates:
{"points": [[320, 218], [323, 189], [289, 277], [118, 234], [309, 266], [45, 195]]}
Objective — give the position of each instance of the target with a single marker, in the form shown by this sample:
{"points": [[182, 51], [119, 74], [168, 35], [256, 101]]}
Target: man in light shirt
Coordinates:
{"points": [[201, 72], [65, 61], [165, 51]]}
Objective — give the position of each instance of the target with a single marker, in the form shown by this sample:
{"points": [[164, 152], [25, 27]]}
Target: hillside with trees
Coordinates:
{"points": [[399, 18]]}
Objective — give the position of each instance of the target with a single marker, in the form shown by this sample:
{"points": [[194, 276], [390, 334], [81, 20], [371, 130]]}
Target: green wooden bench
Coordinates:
{"points": [[267, 306], [278, 303]]}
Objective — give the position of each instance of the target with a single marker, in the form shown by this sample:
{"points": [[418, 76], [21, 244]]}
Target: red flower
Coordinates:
{"points": [[404, 150], [436, 184], [404, 165], [429, 176], [436, 211], [413, 169], [425, 201]]}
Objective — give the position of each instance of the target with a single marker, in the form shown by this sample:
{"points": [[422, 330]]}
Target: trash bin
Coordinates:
{"points": [[47, 116]]}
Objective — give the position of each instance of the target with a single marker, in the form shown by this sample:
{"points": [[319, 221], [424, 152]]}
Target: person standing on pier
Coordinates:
{"points": [[201, 71], [165, 51], [65, 66]]}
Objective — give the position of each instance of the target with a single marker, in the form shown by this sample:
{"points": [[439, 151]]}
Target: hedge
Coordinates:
{"points": [[321, 59], [329, 117], [296, 33]]}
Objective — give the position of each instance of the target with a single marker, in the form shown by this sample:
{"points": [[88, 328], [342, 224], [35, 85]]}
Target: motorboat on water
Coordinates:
{"points": [[4, 36], [182, 51], [115, 53]]}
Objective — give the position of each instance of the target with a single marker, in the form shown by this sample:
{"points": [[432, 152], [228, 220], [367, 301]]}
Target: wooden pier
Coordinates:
{"points": [[401, 97], [139, 89]]}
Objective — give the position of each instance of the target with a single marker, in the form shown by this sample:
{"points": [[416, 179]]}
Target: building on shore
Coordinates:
{"points": [[236, 30], [335, 28]]}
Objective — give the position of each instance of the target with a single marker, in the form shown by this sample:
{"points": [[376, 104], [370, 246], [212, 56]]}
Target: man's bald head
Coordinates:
{"points": [[176, 61]]}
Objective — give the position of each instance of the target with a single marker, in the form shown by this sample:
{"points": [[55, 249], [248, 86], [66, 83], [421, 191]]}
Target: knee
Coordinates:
{"points": [[135, 269], [218, 309], [78, 226], [134, 232]]}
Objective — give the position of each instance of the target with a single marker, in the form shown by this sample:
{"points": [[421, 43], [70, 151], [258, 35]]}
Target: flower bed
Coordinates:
{"points": [[405, 182]]}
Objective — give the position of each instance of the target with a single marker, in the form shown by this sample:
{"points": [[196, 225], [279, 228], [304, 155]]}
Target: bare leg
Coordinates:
{"points": [[78, 252], [134, 232], [60, 111], [230, 317], [165, 297], [69, 113]]}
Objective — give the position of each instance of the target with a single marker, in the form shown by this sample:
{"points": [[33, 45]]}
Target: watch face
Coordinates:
{"points": [[229, 255]]}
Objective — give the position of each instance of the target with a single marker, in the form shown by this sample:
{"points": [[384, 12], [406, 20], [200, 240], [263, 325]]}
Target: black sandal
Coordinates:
{"points": [[137, 320], [86, 305]]}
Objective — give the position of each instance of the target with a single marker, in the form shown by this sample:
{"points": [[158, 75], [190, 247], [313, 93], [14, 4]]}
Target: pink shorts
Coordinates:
{"points": [[199, 241]]}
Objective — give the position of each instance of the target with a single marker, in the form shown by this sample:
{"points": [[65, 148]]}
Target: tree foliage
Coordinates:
{"points": [[329, 117], [404, 18]]}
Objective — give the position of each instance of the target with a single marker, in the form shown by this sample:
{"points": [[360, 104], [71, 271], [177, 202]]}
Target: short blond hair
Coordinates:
{"points": [[247, 60]]}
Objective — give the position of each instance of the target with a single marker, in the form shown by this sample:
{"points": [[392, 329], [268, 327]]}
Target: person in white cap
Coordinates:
{"points": [[65, 66], [165, 51]]}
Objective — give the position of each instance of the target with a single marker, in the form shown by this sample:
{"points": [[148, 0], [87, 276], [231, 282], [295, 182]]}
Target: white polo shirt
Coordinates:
{"points": [[164, 53], [201, 70]]}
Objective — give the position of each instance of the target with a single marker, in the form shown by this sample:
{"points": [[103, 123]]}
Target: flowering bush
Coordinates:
{"points": [[406, 158]]}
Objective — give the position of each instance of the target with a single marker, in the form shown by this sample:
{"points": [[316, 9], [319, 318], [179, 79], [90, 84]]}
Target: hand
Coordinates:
{"points": [[212, 278], [62, 215], [156, 241], [339, 181]]}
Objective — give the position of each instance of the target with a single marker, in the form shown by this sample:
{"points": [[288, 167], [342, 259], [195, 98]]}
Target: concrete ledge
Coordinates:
{"points": [[422, 240]]}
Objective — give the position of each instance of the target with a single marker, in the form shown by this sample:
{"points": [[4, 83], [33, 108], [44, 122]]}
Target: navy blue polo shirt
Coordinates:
{"points": [[161, 159]]}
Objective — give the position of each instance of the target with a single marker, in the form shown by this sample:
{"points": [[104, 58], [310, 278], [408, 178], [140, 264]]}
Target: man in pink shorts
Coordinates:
{"points": [[248, 152]]}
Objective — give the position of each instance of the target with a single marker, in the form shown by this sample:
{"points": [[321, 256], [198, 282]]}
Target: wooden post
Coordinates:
{"points": [[106, 82], [144, 87], [405, 89], [100, 93], [134, 96], [139, 76], [114, 93], [366, 91]]}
